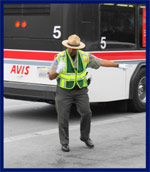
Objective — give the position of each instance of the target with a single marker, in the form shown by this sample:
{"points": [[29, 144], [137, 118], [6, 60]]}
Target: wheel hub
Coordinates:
{"points": [[142, 90]]}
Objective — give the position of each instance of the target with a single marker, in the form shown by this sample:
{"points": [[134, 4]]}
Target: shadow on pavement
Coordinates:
{"points": [[44, 111]]}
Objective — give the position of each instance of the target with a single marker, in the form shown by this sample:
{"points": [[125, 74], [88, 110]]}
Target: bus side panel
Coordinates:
{"points": [[109, 84], [28, 51], [27, 74]]}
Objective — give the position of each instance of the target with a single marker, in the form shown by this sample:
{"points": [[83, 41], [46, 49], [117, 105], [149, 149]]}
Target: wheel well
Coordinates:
{"points": [[138, 68]]}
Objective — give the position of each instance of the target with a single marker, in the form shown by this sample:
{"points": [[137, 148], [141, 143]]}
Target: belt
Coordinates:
{"points": [[76, 87]]}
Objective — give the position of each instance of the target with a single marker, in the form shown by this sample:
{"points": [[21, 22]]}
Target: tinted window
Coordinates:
{"points": [[117, 23], [26, 9], [88, 22], [87, 12]]}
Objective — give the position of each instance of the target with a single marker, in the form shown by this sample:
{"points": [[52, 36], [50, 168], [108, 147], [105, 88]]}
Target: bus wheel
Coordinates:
{"points": [[138, 102]]}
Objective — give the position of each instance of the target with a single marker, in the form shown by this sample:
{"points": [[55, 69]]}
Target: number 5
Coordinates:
{"points": [[103, 43], [57, 32]]}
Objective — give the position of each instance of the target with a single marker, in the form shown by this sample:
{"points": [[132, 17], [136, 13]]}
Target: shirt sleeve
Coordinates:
{"points": [[53, 66], [94, 62]]}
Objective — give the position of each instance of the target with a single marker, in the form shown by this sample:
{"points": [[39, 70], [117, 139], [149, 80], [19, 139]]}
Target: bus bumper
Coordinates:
{"points": [[30, 92]]}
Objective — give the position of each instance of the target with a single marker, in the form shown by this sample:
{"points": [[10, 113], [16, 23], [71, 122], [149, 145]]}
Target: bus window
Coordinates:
{"points": [[86, 13], [88, 22], [34, 22], [117, 25], [142, 28]]}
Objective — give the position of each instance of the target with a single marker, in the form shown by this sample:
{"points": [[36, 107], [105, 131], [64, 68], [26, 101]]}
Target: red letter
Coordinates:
{"points": [[18, 69], [27, 70], [13, 69], [22, 69]]}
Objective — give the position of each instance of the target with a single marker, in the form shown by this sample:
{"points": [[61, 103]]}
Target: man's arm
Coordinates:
{"points": [[95, 63], [55, 69], [52, 75], [107, 63]]}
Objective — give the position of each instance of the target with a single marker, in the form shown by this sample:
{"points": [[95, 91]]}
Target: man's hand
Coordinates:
{"points": [[60, 66], [124, 66]]}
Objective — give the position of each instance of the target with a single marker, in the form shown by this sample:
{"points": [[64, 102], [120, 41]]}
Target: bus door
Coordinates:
{"points": [[117, 38]]}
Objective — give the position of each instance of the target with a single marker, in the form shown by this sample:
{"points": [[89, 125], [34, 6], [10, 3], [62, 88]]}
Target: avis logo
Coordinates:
{"points": [[17, 69]]}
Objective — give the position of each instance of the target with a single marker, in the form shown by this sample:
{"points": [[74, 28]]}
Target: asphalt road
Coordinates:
{"points": [[31, 137]]}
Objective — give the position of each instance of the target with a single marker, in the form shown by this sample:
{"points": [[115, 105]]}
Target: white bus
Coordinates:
{"points": [[33, 34]]}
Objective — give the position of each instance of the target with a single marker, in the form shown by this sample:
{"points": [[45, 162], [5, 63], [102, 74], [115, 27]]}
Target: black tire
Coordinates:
{"points": [[138, 101]]}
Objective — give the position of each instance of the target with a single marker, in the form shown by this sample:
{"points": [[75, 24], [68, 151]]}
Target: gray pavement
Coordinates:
{"points": [[119, 143]]}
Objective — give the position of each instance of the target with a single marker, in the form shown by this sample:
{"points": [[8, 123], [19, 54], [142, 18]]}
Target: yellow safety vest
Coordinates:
{"points": [[71, 76]]}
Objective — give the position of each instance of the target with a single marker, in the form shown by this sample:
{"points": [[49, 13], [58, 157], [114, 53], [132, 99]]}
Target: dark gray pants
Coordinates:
{"points": [[64, 99]]}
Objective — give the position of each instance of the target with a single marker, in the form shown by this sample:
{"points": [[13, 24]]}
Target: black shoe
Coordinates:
{"points": [[88, 142], [65, 148]]}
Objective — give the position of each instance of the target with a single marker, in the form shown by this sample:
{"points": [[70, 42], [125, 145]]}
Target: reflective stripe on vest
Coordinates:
{"points": [[71, 76]]}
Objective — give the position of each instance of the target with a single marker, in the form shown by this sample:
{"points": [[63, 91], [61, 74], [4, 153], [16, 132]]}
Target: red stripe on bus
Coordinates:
{"points": [[121, 55], [29, 55], [49, 56]]}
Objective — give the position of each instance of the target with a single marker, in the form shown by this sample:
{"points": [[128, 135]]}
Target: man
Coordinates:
{"points": [[69, 68]]}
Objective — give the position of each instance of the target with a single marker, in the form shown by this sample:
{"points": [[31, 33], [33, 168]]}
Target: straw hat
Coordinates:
{"points": [[73, 42]]}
